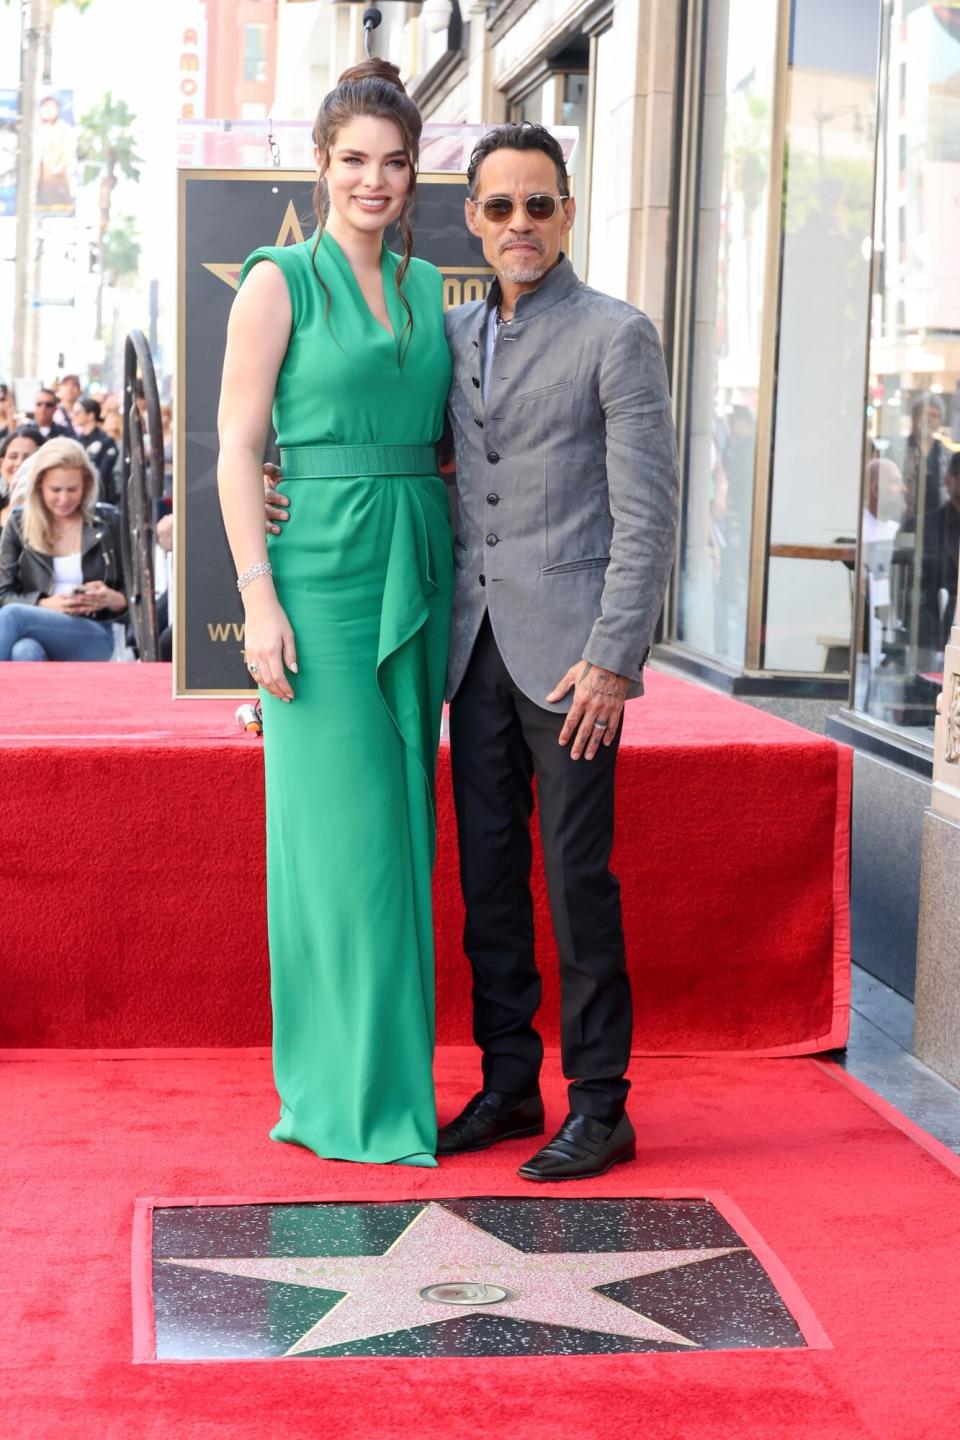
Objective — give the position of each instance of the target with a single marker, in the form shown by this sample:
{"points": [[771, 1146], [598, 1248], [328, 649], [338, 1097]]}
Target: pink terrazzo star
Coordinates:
{"points": [[382, 1292]]}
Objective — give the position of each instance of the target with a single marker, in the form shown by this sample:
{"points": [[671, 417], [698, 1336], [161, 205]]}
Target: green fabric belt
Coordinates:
{"points": [[341, 462]]}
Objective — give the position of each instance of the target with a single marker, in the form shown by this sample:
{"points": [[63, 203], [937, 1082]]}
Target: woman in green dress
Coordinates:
{"points": [[346, 630]]}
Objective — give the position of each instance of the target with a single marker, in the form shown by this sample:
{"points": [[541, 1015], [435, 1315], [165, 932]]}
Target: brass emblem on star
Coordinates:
{"points": [[462, 283], [290, 233]]}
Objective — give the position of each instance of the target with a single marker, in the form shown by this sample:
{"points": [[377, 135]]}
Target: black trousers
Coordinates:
{"points": [[499, 739]]}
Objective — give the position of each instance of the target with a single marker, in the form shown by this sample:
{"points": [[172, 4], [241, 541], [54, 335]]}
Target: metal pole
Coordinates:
{"points": [[142, 485], [28, 162], [371, 19]]}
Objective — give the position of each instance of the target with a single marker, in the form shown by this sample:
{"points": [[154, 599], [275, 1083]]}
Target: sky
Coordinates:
{"points": [[128, 47]]}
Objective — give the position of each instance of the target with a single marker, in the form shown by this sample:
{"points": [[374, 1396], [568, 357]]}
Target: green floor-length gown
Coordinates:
{"points": [[364, 571]]}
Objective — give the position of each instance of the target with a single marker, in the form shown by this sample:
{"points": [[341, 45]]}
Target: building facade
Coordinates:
{"points": [[241, 58], [776, 182]]}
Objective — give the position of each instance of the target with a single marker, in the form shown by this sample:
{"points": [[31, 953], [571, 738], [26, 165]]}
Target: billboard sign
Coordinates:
{"points": [[57, 142], [9, 112]]}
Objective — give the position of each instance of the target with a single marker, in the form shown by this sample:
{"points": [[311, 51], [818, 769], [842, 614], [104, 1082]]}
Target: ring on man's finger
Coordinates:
{"points": [[600, 724]]}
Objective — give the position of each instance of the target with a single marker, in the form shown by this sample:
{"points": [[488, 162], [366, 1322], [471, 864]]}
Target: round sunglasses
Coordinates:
{"points": [[499, 208]]}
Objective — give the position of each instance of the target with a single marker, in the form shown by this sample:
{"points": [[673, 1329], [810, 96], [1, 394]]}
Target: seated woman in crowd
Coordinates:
{"points": [[61, 579], [85, 417], [17, 447]]}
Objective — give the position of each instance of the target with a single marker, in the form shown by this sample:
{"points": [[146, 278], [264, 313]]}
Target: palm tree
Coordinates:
{"points": [[48, 6], [107, 147], [120, 257]]}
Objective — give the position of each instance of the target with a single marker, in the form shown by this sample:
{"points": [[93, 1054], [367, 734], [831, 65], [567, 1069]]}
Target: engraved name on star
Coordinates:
{"points": [[382, 1292]]}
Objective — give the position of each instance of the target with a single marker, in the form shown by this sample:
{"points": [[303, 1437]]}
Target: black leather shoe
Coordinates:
{"points": [[488, 1118], [582, 1148]]}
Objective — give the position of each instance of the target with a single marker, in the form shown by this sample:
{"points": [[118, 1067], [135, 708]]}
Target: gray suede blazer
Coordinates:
{"points": [[567, 485]]}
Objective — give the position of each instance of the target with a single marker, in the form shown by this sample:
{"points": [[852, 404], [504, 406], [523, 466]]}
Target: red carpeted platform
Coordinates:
{"points": [[862, 1217], [131, 829]]}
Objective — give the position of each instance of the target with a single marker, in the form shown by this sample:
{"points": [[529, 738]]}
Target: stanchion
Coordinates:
{"points": [[141, 485]]}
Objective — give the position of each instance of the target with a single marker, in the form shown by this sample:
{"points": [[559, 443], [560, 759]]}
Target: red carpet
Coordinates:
{"points": [[863, 1218], [132, 834]]}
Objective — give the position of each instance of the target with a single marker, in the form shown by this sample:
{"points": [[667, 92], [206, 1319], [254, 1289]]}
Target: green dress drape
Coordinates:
{"points": [[364, 571]]}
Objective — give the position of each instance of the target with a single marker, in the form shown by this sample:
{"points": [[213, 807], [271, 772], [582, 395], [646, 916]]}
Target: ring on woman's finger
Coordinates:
{"points": [[252, 666]]}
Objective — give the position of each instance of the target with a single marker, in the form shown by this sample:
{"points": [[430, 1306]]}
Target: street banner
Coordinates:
{"points": [[190, 19], [223, 216], [57, 139], [9, 110]]}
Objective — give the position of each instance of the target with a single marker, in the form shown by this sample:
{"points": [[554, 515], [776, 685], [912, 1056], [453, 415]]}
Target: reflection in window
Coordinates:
{"points": [[911, 496], [725, 354]]}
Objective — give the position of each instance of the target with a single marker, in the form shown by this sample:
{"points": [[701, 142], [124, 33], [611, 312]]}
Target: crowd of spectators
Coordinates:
{"points": [[62, 589]]}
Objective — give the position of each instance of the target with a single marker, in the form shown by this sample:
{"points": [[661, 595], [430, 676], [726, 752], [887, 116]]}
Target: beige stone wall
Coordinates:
{"points": [[471, 98], [642, 106], [632, 180]]}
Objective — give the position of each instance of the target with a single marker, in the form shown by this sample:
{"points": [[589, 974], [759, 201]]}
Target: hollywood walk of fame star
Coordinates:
{"points": [[382, 1293], [290, 233]]}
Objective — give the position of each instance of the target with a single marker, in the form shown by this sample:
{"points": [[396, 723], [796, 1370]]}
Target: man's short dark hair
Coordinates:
{"points": [[524, 136], [45, 390]]}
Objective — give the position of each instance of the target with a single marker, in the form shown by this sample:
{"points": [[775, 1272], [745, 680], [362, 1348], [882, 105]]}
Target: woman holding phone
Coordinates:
{"points": [[61, 576]]}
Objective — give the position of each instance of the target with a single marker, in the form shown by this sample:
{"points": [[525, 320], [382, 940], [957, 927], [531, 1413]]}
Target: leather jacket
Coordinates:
{"points": [[26, 576]]}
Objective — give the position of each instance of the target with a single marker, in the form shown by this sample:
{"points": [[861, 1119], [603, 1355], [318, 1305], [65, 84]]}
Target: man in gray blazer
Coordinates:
{"points": [[567, 489]]}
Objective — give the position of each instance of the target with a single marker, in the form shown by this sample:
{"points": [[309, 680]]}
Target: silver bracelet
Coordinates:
{"points": [[255, 571]]}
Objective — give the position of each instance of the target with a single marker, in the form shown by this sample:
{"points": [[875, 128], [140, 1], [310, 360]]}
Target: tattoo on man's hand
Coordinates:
{"points": [[603, 683]]}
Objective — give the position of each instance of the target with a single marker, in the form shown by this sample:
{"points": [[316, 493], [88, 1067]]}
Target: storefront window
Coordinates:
{"points": [[730, 267], [773, 424], [574, 110], [563, 99], [821, 345], [910, 519], [536, 106]]}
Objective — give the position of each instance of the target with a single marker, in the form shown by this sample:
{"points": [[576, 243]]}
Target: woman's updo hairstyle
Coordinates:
{"points": [[371, 88]]}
